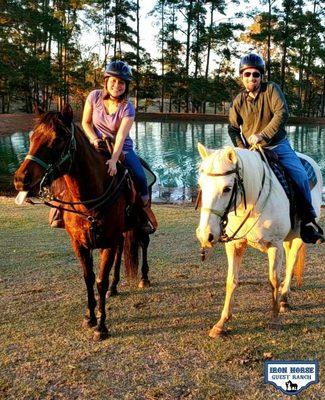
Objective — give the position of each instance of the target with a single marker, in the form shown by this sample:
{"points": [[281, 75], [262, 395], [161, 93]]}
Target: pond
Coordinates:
{"points": [[171, 150]]}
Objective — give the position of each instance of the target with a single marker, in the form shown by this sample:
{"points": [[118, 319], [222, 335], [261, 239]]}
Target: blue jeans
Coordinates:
{"points": [[133, 163], [293, 166]]}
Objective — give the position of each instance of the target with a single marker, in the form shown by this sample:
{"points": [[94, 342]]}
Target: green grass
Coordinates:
{"points": [[158, 346]]}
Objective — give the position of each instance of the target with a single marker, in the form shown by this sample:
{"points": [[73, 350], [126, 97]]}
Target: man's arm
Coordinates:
{"points": [[234, 126], [280, 112]]}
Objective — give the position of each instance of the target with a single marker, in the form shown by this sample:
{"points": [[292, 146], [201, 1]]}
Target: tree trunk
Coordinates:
{"points": [[162, 57], [268, 66], [188, 51], [322, 109], [208, 51], [138, 58]]}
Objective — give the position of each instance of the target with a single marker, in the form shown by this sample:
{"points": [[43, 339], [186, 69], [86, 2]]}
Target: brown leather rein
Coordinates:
{"points": [[107, 198]]}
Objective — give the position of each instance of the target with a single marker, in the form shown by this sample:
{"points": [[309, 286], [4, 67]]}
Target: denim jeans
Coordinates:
{"points": [[133, 163], [291, 163]]}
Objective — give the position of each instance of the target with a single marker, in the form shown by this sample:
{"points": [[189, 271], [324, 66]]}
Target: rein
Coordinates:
{"points": [[107, 198], [50, 169], [238, 187]]}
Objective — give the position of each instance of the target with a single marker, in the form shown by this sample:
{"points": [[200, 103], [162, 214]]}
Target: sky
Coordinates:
{"points": [[149, 31]]}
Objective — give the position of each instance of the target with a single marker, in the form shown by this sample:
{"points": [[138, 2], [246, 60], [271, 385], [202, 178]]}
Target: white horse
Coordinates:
{"points": [[243, 203]]}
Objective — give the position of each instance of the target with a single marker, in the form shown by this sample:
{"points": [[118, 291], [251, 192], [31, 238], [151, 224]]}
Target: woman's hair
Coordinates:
{"points": [[124, 96]]}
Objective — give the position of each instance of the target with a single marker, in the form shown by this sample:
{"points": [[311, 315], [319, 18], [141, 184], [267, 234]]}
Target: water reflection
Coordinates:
{"points": [[171, 150]]}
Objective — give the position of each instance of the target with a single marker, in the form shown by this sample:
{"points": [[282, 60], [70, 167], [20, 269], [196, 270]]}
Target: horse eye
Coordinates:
{"points": [[58, 142], [226, 189]]}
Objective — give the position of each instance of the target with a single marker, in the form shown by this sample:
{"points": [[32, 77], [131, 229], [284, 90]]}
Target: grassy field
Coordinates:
{"points": [[158, 346]]}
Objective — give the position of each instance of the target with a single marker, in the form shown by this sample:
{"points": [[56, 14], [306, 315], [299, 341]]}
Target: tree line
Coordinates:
{"points": [[193, 68]]}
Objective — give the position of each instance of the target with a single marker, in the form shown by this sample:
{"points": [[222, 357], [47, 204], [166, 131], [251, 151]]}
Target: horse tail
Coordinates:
{"points": [[299, 266], [131, 254]]}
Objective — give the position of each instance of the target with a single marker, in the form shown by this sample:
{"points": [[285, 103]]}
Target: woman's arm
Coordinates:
{"points": [[122, 133], [87, 125]]}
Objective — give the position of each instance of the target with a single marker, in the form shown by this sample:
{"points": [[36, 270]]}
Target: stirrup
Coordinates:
{"points": [[56, 218], [150, 224]]}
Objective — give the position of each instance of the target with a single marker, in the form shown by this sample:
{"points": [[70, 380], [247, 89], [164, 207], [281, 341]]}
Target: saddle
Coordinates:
{"points": [[134, 203], [296, 207]]}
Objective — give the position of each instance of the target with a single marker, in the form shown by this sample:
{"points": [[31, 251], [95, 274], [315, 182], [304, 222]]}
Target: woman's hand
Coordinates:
{"points": [[111, 167], [96, 143]]}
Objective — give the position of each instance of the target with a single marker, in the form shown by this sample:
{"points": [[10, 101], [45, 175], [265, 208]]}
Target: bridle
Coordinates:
{"points": [[107, 198], [51, 169], [237, 189]]}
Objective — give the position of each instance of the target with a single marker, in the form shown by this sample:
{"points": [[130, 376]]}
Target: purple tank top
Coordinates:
{"points": [[108, 124]]}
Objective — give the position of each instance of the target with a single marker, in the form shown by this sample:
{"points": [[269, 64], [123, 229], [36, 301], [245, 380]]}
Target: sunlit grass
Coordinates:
{"points": [[158, 346]]}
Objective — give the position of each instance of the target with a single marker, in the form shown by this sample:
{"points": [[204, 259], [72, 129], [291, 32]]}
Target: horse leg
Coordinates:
{"points": [[116, 268], [144, 282], [86, 260], [275, 255], [295, 254], [107, 257], [235, 252]]}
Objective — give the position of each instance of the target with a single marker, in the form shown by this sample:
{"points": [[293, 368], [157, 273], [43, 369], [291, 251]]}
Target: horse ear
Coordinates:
{"points": [[67, 113], [231, 154], [203, 151]]}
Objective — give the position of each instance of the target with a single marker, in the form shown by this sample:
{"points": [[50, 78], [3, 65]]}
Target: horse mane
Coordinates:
{"points": [[49, 120], [251, 172], [52, 122], [250, 168]]}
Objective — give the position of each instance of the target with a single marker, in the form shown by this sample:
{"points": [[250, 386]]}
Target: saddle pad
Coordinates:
{"points": [[283, 177]]}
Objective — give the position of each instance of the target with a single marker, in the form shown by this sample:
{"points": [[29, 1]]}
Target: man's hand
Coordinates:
{"points": [[254, 139], [111, 167]]}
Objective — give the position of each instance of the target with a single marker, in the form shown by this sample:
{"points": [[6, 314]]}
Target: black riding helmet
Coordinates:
{"points": [[252, 61], [119, 69]]}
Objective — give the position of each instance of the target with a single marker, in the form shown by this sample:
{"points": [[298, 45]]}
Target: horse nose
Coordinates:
{"points": [[22, 179], [210, 238]]}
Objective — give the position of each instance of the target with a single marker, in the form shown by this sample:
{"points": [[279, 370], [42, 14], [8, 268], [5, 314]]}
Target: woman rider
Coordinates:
{"points": [[108, 113]]}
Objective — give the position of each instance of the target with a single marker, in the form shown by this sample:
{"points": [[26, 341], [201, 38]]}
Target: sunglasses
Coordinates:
{"points": [[254, 74]]}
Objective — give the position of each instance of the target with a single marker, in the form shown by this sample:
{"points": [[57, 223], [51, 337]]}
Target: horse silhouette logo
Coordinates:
{"points": [[291, 386], [291, 377]]}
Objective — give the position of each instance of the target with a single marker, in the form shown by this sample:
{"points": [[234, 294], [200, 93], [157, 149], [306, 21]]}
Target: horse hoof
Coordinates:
{"points": [[100, 335], [275, 325], [144, 283], [284, 307], [217, 332], [89, 323]]}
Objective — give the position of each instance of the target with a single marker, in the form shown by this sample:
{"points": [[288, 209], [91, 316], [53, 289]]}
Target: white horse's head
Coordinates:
{"points": [[216, 181]]}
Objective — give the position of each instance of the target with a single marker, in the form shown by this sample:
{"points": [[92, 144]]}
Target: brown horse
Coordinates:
{"points": [[95, 205]]}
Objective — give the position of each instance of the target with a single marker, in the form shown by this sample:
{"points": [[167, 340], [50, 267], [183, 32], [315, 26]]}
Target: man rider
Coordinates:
{"points": [[258, 116]]}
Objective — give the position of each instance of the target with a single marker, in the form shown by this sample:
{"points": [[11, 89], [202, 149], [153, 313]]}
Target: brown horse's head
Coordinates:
{"points": [[49, 141]]}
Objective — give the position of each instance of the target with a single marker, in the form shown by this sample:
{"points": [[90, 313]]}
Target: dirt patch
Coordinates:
{"points": [[11, 123]]}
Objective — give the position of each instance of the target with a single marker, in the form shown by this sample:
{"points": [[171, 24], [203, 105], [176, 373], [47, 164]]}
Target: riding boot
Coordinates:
{"points": [[311, 232], [56, 218], [150, 226]]}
